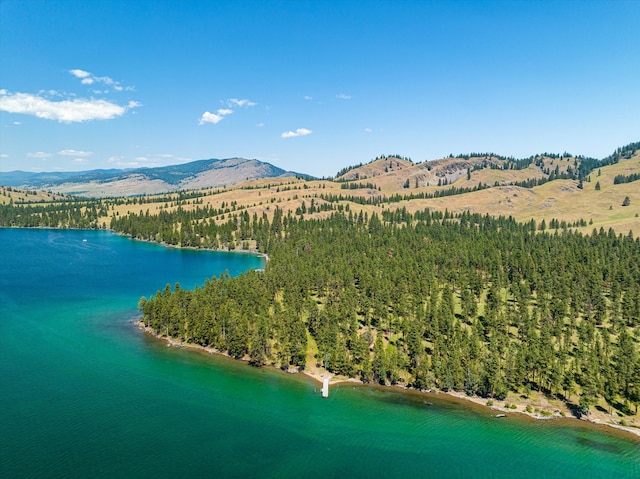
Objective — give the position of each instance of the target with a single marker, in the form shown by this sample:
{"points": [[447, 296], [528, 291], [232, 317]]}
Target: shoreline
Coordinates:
{"points": [[252, 252], [498, 408], [596, 418]]}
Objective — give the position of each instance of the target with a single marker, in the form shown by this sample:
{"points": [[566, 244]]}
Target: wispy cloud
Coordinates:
{"points": [[80, 160], [87, 78], [298, 132], [343, 96], [218, 116], [368, 130], [240, 103], [40, 154], [307, 97], [78, 153], [170, 156], [147, 160], [71, 110]]}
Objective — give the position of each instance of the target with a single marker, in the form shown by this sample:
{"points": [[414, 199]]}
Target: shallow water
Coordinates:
{"points": [[85, 393]]}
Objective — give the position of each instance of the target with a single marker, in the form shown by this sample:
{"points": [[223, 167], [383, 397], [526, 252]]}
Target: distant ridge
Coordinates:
{"points": [[137, 181]]}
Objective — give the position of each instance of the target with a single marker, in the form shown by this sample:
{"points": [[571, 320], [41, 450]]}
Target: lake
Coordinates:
{"points": [[85, 393]]}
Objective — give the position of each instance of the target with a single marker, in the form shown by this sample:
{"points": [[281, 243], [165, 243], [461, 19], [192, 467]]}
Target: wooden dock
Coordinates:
{"points": [[325, 387]]}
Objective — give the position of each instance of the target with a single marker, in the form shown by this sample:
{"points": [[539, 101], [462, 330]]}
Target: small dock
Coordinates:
{"points": [[325, 387]]}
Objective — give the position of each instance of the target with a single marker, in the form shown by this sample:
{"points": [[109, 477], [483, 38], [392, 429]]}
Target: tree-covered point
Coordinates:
{"points": [[468, 303]]}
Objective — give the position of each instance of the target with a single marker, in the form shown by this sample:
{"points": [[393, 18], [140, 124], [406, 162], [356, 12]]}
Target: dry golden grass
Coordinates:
{"points": [[558, 199], [376, 168], [22, 196]]}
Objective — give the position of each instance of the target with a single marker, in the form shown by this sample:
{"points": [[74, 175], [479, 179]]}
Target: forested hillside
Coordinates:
{"points": [[377, 277], [468, 303]]}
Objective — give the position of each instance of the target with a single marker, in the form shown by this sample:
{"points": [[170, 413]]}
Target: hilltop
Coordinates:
{"points": [[553, 190]]}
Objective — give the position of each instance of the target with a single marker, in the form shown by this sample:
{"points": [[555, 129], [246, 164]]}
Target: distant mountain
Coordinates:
{"points": [[128, 182]]}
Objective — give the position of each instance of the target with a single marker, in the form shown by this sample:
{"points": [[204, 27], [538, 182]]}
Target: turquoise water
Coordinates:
{"points": [[84, 393]]}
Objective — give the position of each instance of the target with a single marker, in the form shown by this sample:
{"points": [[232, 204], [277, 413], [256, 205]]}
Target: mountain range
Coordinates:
{"points": [[199, 174]]}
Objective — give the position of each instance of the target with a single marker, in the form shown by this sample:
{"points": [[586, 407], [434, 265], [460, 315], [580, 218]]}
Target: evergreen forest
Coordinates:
{"points": [[359, 285], [428, 300]]}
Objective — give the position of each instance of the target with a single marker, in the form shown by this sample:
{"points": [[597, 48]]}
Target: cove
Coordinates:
{"points": [[85, 393]]}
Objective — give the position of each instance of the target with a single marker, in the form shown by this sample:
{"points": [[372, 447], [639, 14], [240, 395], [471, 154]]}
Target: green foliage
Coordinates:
{"points": [[469, 303], [626, 178], [431, 299]]}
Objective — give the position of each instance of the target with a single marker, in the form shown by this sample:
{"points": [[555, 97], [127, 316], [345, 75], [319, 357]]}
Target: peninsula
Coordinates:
{"points": [[395, 273]]}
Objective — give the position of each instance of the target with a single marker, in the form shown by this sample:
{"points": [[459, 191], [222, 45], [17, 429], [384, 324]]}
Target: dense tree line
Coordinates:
{"points": [[396, 198], [358, 186], [463, 302], [65, 214], [626, 178]]}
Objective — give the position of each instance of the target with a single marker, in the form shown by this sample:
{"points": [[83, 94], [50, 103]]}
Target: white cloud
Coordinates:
{"points": [[240, 103], [80, 160], [88, 78], [343, 96], [173, 157], [79, 73], [105, 80], [208, 117], [39, 154], [4, 155], [307, 97], [218, 116], [65, 111], [368, 130], [75, 153], [298, 132], [17, 123], [260, 125]]}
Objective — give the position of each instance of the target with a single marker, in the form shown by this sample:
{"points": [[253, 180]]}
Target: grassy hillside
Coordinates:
{"points": [[559, 199], [396, 183], [14, 195], [548, 192]]}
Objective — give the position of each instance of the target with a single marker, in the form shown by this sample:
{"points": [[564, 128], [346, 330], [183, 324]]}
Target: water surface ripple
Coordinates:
{"points": [[83, 393]]}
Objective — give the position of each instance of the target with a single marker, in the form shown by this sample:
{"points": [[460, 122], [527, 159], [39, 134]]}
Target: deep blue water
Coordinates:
{"points": [[84, 393]]}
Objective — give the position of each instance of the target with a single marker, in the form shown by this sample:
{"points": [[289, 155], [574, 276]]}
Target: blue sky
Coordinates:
{"points": [[312, 86]]}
